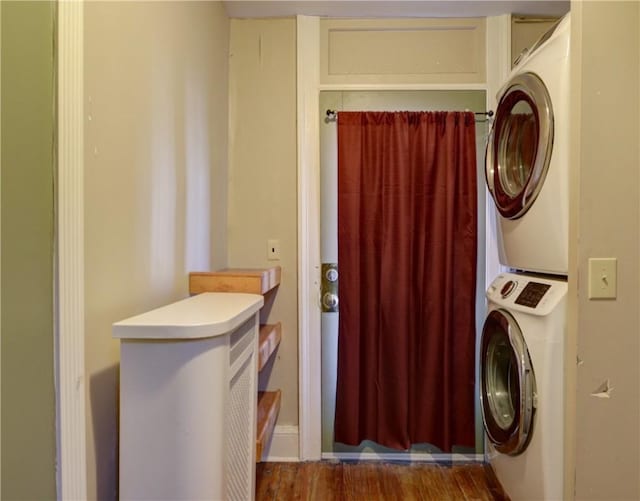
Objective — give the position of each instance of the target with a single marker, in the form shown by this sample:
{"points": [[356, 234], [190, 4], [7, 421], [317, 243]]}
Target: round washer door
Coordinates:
{"points": [[519, 145], [508, 386]]}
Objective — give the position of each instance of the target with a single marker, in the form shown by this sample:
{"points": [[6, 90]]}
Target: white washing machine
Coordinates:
{"points": [[527, 160], [522, 384]]}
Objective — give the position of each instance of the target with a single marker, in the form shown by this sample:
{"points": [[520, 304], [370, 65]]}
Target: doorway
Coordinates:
{"points": [[436, 100]]}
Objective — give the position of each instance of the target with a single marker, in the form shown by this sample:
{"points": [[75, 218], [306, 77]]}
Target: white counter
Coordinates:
{"points": [[205, 315]]}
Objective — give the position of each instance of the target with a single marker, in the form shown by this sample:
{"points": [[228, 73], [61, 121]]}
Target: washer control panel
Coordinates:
{"points": [[532, 294], [537, 295]]}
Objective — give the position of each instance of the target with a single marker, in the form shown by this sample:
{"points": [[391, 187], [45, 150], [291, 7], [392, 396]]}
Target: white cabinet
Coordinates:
{"points": [[187, 399]]}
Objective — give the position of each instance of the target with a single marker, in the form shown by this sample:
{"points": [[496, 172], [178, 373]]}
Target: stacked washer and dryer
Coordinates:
{"points": [[522, 345]]}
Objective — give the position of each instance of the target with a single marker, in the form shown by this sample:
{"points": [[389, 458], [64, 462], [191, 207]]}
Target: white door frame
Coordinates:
{"points": [[69, 293], [309, 314]]}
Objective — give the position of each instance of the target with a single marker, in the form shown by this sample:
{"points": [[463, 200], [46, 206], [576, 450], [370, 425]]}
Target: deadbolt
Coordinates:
{"points": [[329, 287]]}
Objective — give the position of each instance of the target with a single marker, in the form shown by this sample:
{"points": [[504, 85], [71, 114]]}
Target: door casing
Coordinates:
{"points": [[498, 50]]}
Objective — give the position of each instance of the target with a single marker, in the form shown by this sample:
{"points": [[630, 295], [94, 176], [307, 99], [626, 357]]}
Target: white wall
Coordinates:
{"points": [[262, 179], [606, 223], [155, 180]]}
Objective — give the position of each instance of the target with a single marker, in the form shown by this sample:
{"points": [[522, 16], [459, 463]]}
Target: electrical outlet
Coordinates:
{"points": [[603, 278], [273, 250]]}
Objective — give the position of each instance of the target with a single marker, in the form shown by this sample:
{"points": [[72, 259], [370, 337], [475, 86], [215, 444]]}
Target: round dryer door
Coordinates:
{"points": [[508, 384], [519, 145]]}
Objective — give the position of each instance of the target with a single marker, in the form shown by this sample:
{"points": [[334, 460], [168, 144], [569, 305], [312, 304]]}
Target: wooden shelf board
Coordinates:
{"points": [[270, 336], [268, 409], [249, 280]]}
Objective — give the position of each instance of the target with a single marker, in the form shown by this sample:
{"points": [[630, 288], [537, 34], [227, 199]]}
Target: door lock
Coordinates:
{"points": [[329, 292]]}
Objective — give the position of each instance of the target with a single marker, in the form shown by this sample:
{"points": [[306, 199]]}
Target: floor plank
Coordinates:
{"points": [[471, 491], [267, 481], [482, 483], [375, 481], [288, 480], [410, 487]]}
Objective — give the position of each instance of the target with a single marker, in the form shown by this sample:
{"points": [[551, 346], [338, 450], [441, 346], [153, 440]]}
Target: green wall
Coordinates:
{"points": [[27, 211]]}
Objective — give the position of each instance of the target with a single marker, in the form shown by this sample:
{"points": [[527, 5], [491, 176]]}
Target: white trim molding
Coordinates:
{"points": [[498, 67], [309, 345], [70, 390], [498, 55]]}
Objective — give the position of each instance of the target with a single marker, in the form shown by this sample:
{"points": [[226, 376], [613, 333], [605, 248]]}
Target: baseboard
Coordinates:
{"points": [[284, 445], [404, 456]]}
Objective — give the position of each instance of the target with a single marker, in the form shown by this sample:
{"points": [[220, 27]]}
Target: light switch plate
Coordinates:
{"points": [[603, 278], [273, 250]]}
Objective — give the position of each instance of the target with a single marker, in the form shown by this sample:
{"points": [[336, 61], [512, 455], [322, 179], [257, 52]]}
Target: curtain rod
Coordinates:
{"points": [[333, 114]]}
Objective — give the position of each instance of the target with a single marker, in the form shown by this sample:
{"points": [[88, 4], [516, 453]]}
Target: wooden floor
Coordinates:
{"points": [[375, 481]]}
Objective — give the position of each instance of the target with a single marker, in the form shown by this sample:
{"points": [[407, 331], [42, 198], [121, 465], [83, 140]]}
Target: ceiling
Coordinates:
{"points": [[394, 8]]}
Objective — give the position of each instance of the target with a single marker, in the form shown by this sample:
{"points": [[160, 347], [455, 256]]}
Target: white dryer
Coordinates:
{"points": [[527, 160], [522, 384]]}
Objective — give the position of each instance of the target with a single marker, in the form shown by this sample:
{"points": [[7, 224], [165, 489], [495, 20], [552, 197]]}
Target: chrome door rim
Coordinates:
{"points": [[508, 436], [527, 87]]}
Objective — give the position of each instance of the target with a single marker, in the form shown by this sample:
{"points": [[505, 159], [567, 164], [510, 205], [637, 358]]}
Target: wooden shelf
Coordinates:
{"points": [[270, 336], [250, 280], [268, 409]]}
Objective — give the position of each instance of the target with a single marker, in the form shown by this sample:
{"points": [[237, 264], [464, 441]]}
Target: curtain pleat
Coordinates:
{"points": [[407, 243]]}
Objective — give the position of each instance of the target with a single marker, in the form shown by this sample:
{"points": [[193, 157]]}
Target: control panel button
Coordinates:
{"points": [[508, 288]]}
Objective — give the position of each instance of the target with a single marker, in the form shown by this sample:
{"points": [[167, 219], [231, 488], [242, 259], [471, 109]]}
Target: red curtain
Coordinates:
{"points": [[407, 224]]}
